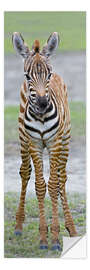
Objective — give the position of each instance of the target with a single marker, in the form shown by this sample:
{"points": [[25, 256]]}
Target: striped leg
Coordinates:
{"points": [[25, 172], [40, 187], [53, 188], [69, 224]]}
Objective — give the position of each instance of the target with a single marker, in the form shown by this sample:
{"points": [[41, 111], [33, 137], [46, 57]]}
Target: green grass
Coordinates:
{"points": [[27, 246], [78, 119], [70, 25]]}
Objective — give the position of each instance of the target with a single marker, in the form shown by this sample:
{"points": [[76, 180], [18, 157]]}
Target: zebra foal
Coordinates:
{"points": [[44, 121]]}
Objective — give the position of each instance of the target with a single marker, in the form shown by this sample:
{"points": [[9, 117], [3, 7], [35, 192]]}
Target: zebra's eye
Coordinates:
{"points": [[27, 76], [49, 76]]}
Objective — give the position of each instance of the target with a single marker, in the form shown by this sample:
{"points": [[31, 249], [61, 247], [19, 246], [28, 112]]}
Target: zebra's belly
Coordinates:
{"points": [[42, 130]]}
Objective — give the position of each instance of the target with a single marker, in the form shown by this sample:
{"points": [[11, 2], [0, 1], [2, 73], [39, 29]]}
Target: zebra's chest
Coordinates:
{"points": [[41, 129]]}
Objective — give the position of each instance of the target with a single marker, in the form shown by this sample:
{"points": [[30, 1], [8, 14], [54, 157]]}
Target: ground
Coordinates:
{"points": [[71, 66]]}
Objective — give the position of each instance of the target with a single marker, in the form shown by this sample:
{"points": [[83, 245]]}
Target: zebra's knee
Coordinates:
{"points": [[53, 189], [25, 171], [63, 177], [40, 188]]}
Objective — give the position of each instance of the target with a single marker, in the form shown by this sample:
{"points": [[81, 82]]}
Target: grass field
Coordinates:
{"points": [[27, 245], [78, 116], [70, 25]]}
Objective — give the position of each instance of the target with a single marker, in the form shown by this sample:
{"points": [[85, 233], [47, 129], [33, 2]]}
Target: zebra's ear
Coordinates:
{"points": [[52, 44], [19, 45]]}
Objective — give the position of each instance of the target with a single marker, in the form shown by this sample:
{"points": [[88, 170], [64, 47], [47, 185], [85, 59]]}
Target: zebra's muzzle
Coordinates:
{"points": [[41, 104]]}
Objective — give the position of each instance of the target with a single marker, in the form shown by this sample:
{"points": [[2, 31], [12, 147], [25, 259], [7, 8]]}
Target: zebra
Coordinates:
{"points": [[44, 121]]}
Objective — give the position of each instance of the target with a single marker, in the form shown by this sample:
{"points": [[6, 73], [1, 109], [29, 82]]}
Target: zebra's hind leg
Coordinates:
{"points": [[69, 224], [25, 172]]}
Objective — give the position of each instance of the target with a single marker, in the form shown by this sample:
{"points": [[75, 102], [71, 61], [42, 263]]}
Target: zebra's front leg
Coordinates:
{"points": [[25, 172], [53, 188], [40, 187]]}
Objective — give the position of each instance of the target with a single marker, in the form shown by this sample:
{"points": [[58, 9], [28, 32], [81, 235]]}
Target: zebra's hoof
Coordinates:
{"points": [[19, 233], [56, 246], [43, 245]]}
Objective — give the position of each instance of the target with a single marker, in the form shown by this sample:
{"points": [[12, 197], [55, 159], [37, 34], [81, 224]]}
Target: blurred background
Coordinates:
{"points": [[69, 62]]}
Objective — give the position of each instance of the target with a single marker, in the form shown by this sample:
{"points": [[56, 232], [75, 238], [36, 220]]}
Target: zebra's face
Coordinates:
{"points": [[37, 70], [37, 74]]}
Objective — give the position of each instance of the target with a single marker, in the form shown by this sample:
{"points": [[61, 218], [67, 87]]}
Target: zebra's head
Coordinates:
{"points": [[37, 69]]}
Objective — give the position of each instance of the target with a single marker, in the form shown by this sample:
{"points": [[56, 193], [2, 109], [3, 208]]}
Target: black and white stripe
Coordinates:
{"points": [[42, 127]]}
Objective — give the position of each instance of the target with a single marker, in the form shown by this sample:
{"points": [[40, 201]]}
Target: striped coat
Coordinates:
{"points": [[44, 121]]}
